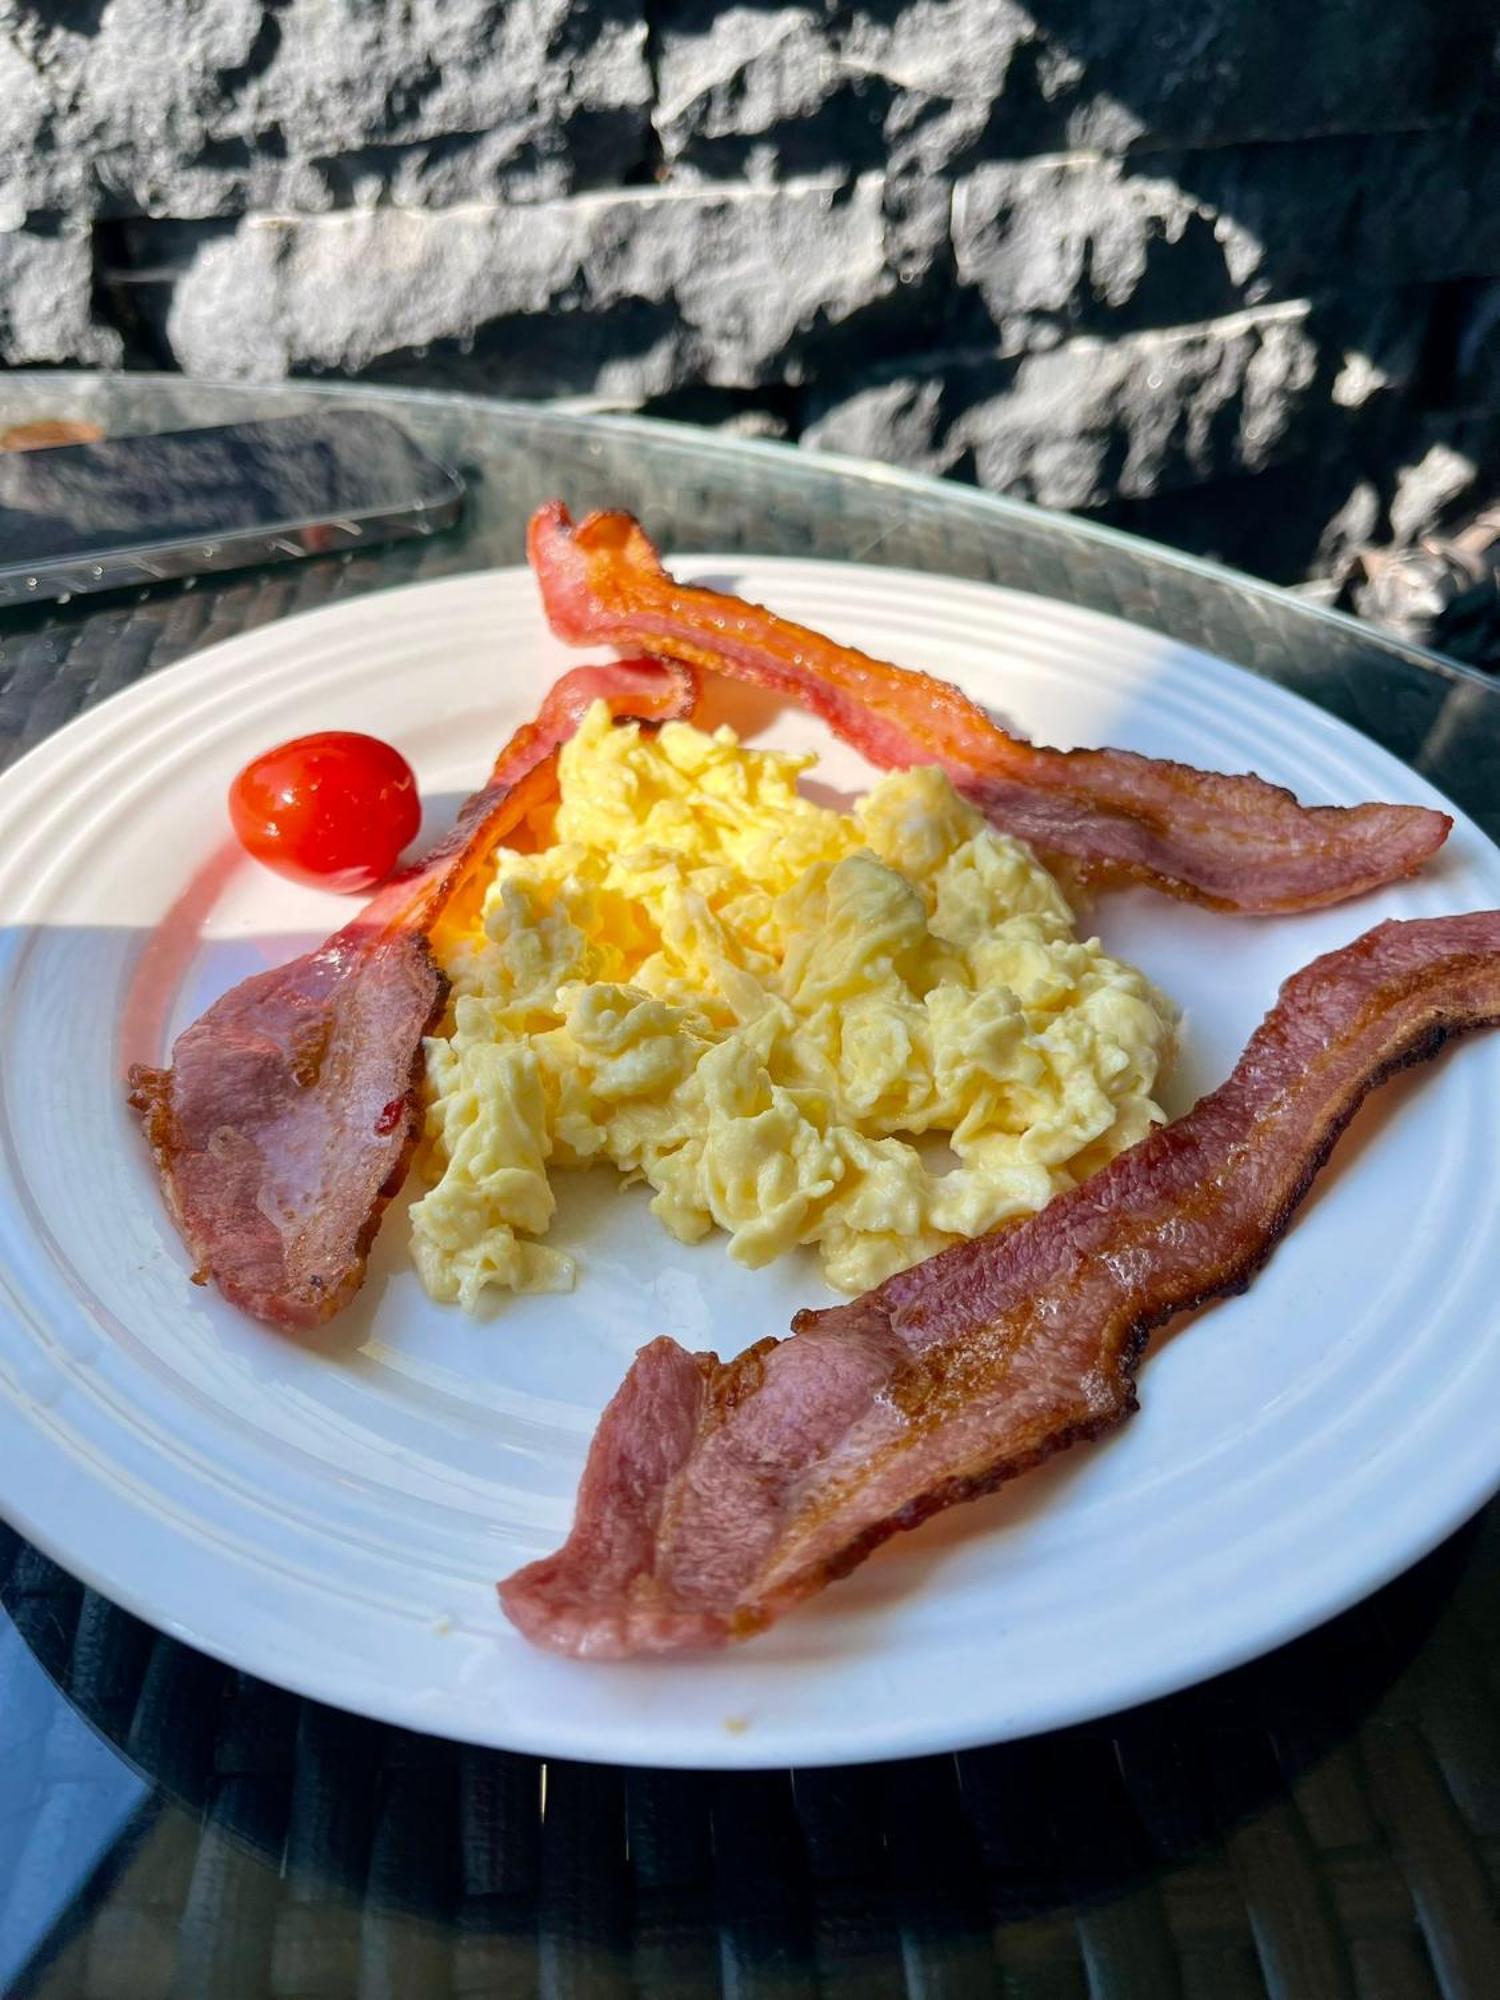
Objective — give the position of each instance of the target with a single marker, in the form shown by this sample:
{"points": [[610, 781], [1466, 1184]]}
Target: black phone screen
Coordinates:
{"points": [[193, 486]]}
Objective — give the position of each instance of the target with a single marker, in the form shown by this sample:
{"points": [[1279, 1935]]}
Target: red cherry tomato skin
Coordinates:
{"points": [[333, 810]]}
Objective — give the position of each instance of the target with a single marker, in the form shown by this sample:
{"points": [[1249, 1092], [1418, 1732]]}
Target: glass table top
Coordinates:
{"points": [[1324, 1822]]}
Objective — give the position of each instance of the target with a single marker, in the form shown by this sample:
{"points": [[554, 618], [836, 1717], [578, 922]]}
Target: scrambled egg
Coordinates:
{"points": [[760, 1007]]}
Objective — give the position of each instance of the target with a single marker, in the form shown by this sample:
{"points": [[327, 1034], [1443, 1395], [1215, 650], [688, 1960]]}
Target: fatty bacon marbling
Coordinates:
{"points": [[289, 1112], [719, 1495], [1235, 843]]}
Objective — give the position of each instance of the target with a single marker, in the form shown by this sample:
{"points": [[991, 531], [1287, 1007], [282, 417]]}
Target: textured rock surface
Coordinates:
{"points": [[936, 81], [1087, 420], [1121, 242], [1227, 273], [204, 107], [46, 311], [639, 290]]}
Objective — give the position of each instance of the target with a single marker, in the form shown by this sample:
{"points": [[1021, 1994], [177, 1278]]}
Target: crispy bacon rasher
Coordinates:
{"points": [[719, 1495], [1236, 843], [288, 1116]]}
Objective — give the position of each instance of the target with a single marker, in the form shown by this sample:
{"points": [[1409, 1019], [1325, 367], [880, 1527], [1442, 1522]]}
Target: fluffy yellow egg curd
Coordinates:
{"points": [[776, 1015]]}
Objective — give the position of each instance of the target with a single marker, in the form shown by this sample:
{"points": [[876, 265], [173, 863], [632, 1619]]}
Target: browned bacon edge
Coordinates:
{"points": [[718, 1495], [1233, 842], [287, 1117]]}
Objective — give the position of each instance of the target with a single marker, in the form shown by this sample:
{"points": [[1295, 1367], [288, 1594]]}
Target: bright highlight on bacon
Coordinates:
{"points": [[288, 1116], [1236, 843], [719, 1495]]}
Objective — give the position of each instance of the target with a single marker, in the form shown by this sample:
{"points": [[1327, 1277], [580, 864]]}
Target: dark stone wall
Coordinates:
{"points": [[1226, 272]]}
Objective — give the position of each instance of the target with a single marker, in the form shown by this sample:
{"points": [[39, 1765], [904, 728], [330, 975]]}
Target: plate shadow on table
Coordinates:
{"points": [[415, 1840]]}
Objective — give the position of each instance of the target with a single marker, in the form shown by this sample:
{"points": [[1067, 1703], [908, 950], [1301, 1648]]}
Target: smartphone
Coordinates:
{"points": [[136, 510]]}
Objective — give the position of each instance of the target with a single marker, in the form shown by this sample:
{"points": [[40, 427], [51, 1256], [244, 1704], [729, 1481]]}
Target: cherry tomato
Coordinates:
{"points": [[334, 809]]}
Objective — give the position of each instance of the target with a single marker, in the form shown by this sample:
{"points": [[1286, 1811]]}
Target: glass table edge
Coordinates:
{"points": [[582, 414]]}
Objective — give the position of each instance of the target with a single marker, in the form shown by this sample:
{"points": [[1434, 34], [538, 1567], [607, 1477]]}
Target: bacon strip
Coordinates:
{"points": [[288, 1116], [1235, 843], [718, 1495]]}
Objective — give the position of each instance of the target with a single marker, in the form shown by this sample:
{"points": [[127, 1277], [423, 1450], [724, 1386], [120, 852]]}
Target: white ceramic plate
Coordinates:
{"points": [[331, 1515]]}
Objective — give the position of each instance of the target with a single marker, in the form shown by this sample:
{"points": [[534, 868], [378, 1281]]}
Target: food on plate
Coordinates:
{"points": [[286, 1119], [334, 809], [752, 1003], [1236, 843], [719, 1495]]}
